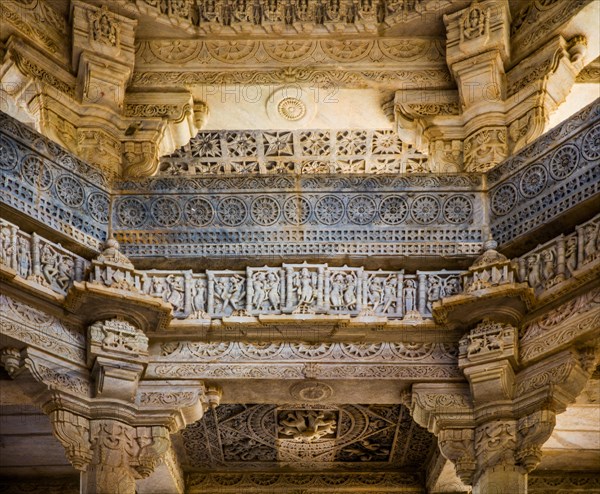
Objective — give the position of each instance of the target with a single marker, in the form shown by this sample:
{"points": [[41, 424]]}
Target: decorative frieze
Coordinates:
{"points": [[289, 17], [192, 54], [564, 261], [547, 178], [307, 152]]}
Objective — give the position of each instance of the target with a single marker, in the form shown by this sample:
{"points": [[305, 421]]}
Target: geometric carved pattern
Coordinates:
{"points": [[223, 216], [551, 175], [50, 185], [254, 437], [296, 152]]}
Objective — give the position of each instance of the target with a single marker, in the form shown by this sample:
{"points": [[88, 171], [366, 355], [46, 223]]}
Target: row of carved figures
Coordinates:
{"points": [[558, 260], [259, 12], [294, 288], [34, 258]]}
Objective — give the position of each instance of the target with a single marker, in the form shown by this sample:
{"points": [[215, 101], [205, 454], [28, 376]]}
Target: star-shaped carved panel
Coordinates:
{"points": [[322, 437]]}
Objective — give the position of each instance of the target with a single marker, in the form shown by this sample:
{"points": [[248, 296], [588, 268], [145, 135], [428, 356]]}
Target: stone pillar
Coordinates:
{"points": [[115, 427]]}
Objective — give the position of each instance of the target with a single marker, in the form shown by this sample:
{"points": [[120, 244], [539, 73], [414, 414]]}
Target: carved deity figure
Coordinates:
{"points": [[176, 292], [259, 282], [158, 287], [475, 24], [410, 295], [49, 262], [590, 247], [434, 291], [390, 293], [307, 425], [548, 267], [350, 291], [5, 246], [64, 276], [199, 298], [24, 257], [272, 289], [335, 291], [229, 291], [104, 29], [304, 284], [534, 277], [374, 292], [571, 255]]}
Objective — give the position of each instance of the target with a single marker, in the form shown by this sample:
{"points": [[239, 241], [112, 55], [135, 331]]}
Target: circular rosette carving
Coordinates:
{"points": [[291, 108], [227, 479], [175, 51], [210, 350], [289, 50], [329, 210], [36, 173], [458, 209], [361, 350], [425, 209], [361, 210], [347, 50], [393, 210], [232, 51], [311, 391], [232, 211], [70, 191], [131, 212], [265, 211], [564, 161], [165, 211], [591, 144], [264, 480], [8, 154], [297, 210], [311, 350], [412, 351], [403, 49], [198, 211], [260, 350], [98, 206], [504, 199], [533, 180]]}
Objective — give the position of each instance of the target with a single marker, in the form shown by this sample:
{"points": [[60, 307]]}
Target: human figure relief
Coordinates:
{"points": [[5, 246], [410, 295], [590, 248], [229, 292], [534, 277], [176, 292], [199, 298], [374, 292], [24, 257], [548, 267], [49, 262], [335, 291], [272, 288], [259, 281], [303, 282], [350, 291], [390, 292], [65, 272], [571, 255]]}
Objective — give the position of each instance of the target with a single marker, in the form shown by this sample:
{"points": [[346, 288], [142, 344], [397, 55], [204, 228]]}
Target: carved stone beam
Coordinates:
{"points": [[490, 290], [114, 290], [158, 124], [538, 85], [416, 110]]}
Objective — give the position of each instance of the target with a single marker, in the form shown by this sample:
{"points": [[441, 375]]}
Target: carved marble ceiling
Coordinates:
{"points": [[297, 437]]}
